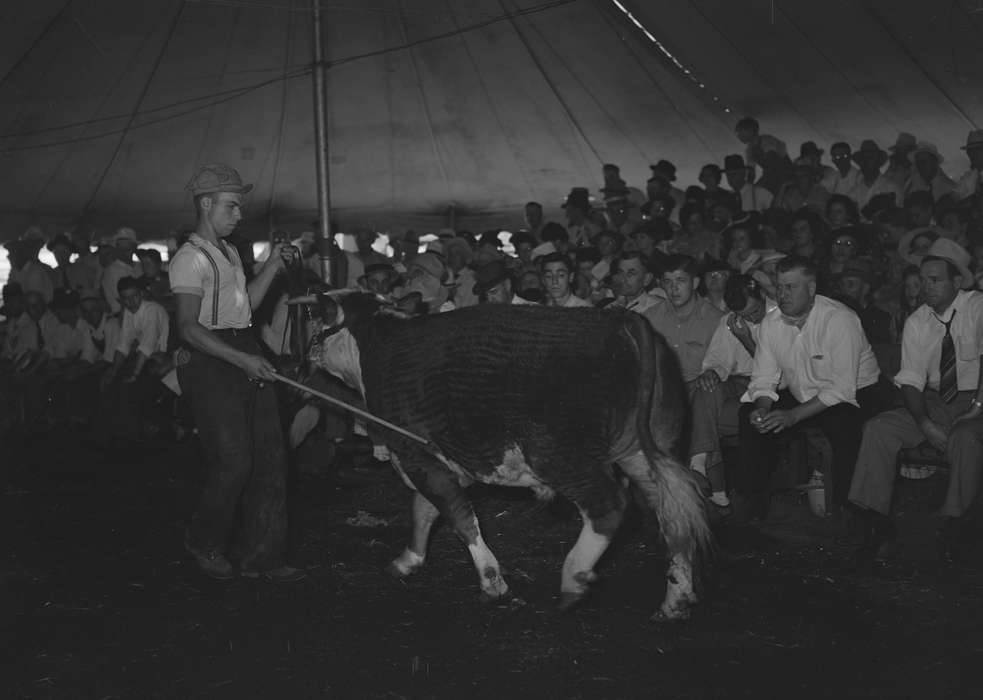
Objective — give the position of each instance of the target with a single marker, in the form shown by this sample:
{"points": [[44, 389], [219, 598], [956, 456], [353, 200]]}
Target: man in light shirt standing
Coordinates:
{"points": [[940, 380], [844, 177], [753, 197], [228, 384], [122, 265], [813, 365]]}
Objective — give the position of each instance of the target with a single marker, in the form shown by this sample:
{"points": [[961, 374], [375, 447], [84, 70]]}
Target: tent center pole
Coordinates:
{"points": [[325, 249]]}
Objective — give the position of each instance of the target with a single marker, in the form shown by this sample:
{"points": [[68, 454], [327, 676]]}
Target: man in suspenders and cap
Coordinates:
{"points": [[228, 383]]}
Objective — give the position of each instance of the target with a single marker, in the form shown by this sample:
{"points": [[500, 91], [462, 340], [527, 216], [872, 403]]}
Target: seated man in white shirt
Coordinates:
{"points": [[940, 380], [812, 366], [103, 330], [715, 398], [556, 271], [21, 334], [753, 197], [143, 334]]}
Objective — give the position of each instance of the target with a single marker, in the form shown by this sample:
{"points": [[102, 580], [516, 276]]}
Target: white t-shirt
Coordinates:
{"points": [[202, 269]]}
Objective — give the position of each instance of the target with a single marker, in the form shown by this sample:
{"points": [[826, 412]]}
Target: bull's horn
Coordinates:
{"points": [[308, 299], [334, 293]]}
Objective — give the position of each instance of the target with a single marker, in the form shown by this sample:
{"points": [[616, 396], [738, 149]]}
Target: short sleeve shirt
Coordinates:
{"points": [[204, 270]]}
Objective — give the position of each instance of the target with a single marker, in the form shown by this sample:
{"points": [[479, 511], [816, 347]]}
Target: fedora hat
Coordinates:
{"points": [[665, 169], [904, 143], [974, 140], [578, 197], [904, 243], [490, 275], [62, 239], [926, 147], [734, 162], [867, 147], [952, 252], [809, 148]]}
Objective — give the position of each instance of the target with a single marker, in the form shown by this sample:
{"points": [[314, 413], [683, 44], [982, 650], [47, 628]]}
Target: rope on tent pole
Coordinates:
{"points": [[911, 57], [552, 86], [136, 107], [34, 44]]}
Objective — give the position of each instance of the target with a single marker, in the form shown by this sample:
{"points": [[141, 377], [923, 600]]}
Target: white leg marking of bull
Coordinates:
{"points": [[493, 586], [424, 514], [671, 491], [578, 568], [303, 424], [679, 590]]}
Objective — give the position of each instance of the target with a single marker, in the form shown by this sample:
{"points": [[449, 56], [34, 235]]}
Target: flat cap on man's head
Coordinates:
{"points": [[217, 177]]}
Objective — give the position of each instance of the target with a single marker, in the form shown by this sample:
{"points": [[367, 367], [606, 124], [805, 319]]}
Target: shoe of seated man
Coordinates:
{"points": [[212, 562], [281, 574]]}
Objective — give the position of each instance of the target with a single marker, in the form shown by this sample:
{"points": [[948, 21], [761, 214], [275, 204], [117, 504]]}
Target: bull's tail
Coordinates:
{"points": [[669, 488]]}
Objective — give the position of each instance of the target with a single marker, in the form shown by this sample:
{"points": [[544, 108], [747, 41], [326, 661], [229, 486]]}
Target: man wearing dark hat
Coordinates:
{"points": [[25, 267], [493, 284], [813, 154], [969, 184], [940, 380], [803, 190], [229, 385], [928, 174], [843, 177], [853, 287], [580, 229], [871, 183], [765, 151], [753, 197]]}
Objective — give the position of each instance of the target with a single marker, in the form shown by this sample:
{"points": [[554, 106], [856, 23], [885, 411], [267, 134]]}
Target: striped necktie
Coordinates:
{"points": [[948, 386]]}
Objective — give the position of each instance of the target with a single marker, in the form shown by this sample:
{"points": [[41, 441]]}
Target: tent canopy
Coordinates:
{"points": [[447, 113]]}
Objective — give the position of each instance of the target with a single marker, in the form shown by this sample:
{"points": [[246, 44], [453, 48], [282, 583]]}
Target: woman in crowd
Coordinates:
{"points": [[841, 211]]}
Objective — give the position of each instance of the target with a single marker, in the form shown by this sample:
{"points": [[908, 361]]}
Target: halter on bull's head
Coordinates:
{"points": [[332, 347]]}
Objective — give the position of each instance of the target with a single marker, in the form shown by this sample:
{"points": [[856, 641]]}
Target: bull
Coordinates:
{"points": [[581, 402]]}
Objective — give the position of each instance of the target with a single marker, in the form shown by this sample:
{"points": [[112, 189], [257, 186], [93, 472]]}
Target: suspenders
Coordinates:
{"points": [[233, 258]]}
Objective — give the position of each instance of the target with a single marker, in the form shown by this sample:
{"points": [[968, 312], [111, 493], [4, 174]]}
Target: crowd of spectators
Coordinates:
{"points": [[795, 293]]}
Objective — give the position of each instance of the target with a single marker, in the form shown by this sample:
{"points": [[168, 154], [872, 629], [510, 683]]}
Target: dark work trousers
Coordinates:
{"points": [[246, 461], [842, 425]]}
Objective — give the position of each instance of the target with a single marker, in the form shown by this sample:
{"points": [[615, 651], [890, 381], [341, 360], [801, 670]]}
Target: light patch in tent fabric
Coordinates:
{"points": [[664, 51]]}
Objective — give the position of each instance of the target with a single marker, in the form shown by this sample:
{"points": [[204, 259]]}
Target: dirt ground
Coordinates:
{"points": [[99, 600]]}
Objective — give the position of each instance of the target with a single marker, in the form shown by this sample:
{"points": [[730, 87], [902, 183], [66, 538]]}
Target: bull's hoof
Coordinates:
{"points": [[664, 615], [570, 600], [406, 564], [505, 598], [395, 572]]}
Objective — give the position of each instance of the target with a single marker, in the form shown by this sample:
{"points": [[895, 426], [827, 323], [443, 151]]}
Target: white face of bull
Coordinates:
{"points": [[338, 354]]}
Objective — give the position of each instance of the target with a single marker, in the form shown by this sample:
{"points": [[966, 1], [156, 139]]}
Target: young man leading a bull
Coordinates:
{"points": [[228, 385]]}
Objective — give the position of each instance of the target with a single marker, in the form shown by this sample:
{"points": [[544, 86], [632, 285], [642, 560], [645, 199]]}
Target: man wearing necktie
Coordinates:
{"points": [[941, 356]]}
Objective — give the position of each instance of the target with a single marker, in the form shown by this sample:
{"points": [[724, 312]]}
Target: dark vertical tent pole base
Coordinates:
{"points": [[321, 149]]}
